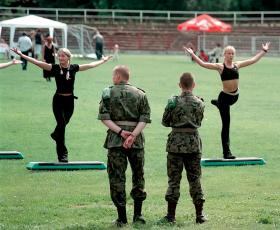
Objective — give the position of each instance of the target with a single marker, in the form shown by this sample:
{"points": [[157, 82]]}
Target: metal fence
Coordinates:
{"points": [[86, 16], [245, 44]]}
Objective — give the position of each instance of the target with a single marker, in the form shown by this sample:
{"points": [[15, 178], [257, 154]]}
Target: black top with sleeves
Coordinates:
{"points": [[229, 74], [62, 84]]}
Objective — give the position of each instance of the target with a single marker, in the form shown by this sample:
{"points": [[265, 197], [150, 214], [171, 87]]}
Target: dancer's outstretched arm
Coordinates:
{"points": [[42, 65], [7, 64], [94, 64], [257, 57], [207, 65]]}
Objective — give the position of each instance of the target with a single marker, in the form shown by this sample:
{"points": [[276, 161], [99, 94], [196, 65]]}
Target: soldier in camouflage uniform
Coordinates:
{"points": [[184, 114], [125, 110]]}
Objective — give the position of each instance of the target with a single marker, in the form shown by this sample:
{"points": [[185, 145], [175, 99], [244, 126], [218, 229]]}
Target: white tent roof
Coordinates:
{"points": [[33, 21]]}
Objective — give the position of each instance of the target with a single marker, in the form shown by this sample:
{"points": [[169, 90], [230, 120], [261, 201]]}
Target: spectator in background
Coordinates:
{"points": [[4, 48], [25, 46], [191, 46], [99, 41], [116, 50], [216, 53], [32, 37], [203, 56], [54, 41], [48, 54], [38, 43]]}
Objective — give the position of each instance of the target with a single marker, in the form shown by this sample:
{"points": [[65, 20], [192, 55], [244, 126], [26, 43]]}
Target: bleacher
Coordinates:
{"points": [[164, 37]]}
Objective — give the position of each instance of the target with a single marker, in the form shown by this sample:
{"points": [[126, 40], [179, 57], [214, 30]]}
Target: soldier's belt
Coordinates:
{"points": [[184, 130], [127, 123]]}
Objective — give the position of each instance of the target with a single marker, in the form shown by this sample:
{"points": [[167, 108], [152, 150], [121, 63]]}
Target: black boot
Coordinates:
{"points": [[137, 217], [228, 155], [200, 218], [226, 148], [62, 152], [122, 219], [170, 217]]}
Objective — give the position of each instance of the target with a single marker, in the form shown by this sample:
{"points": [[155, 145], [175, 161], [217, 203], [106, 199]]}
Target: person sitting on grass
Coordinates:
{"points": [[63, 99]]}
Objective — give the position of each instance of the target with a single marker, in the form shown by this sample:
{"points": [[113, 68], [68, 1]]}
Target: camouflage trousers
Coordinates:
{"points": [[175, 165], [116, 168]]}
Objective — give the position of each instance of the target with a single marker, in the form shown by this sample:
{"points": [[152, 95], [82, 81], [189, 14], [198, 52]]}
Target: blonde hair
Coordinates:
{"points": [[229, 48], [65, 51], [68, 54]]}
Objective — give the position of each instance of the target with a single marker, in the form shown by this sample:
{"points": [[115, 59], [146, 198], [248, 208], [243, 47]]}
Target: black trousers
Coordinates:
{"points": [[99, 50], [224, 103], [63, 108], [24, 62]]}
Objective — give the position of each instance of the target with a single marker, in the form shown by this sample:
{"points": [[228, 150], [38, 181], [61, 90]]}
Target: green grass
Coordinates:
{"points": [[246, 197]]}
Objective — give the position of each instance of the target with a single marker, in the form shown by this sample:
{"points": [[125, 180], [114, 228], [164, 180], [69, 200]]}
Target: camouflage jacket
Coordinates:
{"points": [[124, 102], [184, 111]]}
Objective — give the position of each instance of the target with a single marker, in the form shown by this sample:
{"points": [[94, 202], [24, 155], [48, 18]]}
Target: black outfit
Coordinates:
{"points": [[49, 56], [24, 62], [63, 106], [38, 38], [225, 100], [99, 46]]}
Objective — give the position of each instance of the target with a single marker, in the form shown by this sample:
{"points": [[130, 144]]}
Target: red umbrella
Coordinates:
{"points": [[204, 23]]}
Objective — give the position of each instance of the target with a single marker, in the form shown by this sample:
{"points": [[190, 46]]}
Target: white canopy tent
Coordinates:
{"points": [[33, 21]]}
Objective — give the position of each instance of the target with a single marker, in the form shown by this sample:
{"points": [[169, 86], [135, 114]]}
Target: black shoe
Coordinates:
{"points": [[119, 223], [63, 160], [167, 220], [139, 219], [200, 219], [215, 102], [229, 156]]}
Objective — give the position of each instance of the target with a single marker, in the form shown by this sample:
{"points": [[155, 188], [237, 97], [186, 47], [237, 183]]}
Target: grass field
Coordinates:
{"points": [[246, 197]]}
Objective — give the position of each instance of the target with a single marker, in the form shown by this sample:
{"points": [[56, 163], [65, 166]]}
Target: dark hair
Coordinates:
{"points": [[186, 81]]}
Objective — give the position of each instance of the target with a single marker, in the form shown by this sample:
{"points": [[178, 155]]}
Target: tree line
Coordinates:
{"points": [[170, 5]]}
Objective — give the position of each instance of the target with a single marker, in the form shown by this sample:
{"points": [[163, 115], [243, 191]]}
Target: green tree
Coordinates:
{"points": [[206, 5], [22, 3], [180, 5]]}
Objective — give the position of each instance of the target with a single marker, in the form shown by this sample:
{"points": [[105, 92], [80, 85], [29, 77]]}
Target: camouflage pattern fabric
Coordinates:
{"points": [[187, 113], [175, 165], [124, 102], [116, 167], [184, 148]]}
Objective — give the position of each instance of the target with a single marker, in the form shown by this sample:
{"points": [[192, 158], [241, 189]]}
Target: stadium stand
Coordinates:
{"points": [[162, 37]]}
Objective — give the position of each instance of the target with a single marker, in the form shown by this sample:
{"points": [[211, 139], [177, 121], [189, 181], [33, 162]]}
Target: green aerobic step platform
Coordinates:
{"points": [[74, 165], [232, 162], [10, 155]]}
